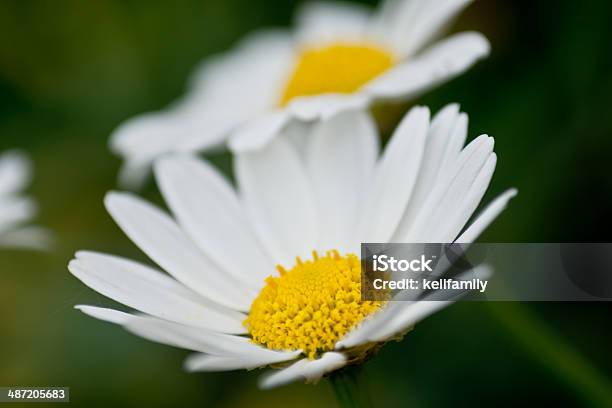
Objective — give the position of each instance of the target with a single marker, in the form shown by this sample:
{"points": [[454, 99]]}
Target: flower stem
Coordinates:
{"points": [[349, 387]]}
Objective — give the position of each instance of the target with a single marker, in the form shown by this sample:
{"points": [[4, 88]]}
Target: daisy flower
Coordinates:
{"points": [[340, 56], [267, 273], [15, 210]]}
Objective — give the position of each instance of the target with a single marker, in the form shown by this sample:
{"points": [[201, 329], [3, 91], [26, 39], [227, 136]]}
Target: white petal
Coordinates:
{"points": [[257, 133], [321, 107], [208, 209], [454, 146], [441, 144], [440, 63], [166, 244], [224, 92], [341, 155], [298, 134], [411, 25], [459, 215], [392, 17], [15, 172], [487, 216], [441, 219], [186, 337], [308, 370], [320, 23], [243, 85], [147, 327], [146, 136], [145, 289], [15, 210], [394, 178], [30, 237], [201, 340], [445, 193], [359, 334], [207, 362], [279, 203], [260, 63]]}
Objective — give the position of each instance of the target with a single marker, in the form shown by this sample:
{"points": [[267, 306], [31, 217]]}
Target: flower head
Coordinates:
{"points": [[15, 210], [339, 57], [268, 274]]}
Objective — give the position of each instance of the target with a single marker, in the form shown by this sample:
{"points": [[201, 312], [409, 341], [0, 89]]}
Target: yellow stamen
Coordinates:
{"points": [[336, 68], [311, 306]]}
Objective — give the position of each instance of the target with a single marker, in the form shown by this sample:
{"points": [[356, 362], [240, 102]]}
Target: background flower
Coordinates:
{"points": [[339, 56], [15, 209]]}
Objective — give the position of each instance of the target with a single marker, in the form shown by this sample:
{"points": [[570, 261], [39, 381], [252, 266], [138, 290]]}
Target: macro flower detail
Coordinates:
{"points": [[339, 57], [267, 273], [311, 306], [15, 209]]}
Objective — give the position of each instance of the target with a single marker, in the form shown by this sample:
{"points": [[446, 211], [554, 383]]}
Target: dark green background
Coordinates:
{"points": [[71, 70]]}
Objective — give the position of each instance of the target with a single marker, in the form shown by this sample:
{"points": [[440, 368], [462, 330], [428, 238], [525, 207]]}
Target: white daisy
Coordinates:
{"points": [[225, 297], [340, 56], [15, 209]]}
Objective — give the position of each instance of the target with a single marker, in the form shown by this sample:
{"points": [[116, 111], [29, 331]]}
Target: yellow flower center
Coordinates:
{"points": [[336, 68], [311, 306]]}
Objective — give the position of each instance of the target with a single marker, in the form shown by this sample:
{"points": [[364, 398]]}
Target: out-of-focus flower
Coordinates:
{"points": [[224, 299], [339, 57], [15, 210]]}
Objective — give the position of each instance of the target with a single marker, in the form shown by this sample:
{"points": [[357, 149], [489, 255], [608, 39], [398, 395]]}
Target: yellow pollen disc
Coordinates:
{"points": [[336, 68], [311, 306]]}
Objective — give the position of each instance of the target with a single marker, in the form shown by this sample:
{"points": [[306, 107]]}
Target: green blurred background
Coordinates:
{"points": [[71, 70]]}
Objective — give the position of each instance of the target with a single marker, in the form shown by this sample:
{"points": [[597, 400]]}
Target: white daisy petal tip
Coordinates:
{"points": [[111, 197], [207, 363], [326, 106], [210, 363], [104, 314], [452, 108], [15, 171], [169, 163], [480, 43], [257, 133], [322, 21], [304, 369], [487, 216]]}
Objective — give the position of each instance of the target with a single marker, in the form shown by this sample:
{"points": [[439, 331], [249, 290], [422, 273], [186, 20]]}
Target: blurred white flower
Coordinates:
{"points": [[223, 298], [340, 56], [15, 209]]}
